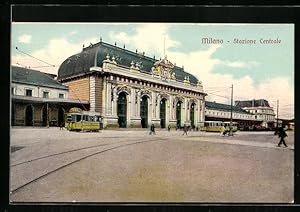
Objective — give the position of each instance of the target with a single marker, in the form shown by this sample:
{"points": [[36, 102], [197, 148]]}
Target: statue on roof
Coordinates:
{"points": [[163, 68]]}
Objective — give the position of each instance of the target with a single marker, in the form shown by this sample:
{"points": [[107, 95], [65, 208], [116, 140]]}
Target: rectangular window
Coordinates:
{"points": [[12, 91], [28, 92], [61, 96], [45, 94]]}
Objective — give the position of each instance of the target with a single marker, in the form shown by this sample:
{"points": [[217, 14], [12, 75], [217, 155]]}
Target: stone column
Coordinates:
{"points": [[167, 112], [129, 109], [155, 105], [108, 101], [150, 110], [135, 109], [172, 112], [188, 111], [183, 112]]}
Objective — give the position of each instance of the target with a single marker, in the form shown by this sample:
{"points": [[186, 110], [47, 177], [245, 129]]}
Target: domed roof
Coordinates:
{"points": [[94, 55]]}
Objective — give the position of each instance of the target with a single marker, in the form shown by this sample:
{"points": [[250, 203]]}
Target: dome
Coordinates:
{"points": [[93, 55]]}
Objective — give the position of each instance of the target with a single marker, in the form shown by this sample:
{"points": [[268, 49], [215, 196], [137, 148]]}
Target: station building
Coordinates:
{"points": [[37, 99], [222, 112], [261, 110], [130, 89], [248, 114]]}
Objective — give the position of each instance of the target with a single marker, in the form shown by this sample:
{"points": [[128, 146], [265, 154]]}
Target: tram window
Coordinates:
{"points": [[69, 118], [78, 118], [92, 118], [73, 117]]}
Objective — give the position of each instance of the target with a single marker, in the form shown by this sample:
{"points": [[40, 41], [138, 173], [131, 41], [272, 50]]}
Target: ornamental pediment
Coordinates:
{"points": [[164, 69]]}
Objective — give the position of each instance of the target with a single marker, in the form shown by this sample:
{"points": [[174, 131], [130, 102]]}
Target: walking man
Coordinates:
{"points": [[61, 125], [282, 134], [152, 129], [185, 130]]}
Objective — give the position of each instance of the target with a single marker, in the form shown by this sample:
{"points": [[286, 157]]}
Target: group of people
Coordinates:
{"points": [[280, 132], [152, 129]]}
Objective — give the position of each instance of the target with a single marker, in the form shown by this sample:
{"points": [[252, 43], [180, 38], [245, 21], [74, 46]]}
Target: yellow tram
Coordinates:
{"points": [[80, 120], [219, 126]]}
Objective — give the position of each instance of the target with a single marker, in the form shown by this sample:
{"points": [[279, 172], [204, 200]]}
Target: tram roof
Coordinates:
{"points": [[94, 55]]}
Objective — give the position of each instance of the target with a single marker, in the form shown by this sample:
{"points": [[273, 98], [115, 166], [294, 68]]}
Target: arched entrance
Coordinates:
{"points": [[162, 113], [60, 117], [144, 112], [122, 110], [178, 114], [192, 115], [29, 116]]}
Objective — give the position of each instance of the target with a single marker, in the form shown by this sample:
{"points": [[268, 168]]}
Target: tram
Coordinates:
{"points": [[218, 126], [80, 120]]}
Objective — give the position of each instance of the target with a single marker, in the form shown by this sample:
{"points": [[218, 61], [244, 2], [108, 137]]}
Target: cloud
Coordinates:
{"points": [[148, 38], [25, 38], [54, 53], [240, 64], [73, 33]]}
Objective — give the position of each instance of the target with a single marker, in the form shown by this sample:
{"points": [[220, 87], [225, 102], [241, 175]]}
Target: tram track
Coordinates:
{"points": [[60, 153], [75, 161]]}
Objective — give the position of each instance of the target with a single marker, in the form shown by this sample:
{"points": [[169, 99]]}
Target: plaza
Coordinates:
{"points": [[129, 165]]}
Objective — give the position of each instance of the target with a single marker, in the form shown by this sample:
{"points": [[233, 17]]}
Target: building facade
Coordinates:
{"points": [[261, 110], [37, 99], [260, 117], [130, 89], [222, 112]]}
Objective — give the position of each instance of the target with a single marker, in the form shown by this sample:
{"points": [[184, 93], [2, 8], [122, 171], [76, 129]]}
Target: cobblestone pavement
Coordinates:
{"points": [[52, 165]]}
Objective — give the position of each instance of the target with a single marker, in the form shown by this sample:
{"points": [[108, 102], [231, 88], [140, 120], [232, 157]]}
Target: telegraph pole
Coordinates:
{"points": [[230, 127]]}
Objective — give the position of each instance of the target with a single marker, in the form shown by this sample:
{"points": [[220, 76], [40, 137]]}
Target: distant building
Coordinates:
{"points": [[263, 113], [130, 89], [222, 112], [38, 99]]}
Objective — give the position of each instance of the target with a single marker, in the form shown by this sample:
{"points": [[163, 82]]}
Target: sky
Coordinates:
{"points": [[257, 59]]}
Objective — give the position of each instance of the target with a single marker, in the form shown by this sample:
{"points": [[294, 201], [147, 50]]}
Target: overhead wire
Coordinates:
{"points": [[34, 57]]}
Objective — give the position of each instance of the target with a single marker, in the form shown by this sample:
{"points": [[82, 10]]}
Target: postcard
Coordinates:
{"points": [[144, 112]]}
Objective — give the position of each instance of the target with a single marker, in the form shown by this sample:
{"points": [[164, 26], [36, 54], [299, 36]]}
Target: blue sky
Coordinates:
{"points": [[256, 70]]}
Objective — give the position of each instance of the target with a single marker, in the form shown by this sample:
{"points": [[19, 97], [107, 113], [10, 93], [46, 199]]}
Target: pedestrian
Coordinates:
{"points": [[223, 131], [61, 126], [169, 128], [185, 130], [282, 134], [152, 129]]}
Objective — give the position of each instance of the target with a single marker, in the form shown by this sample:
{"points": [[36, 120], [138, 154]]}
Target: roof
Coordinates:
{"points": [[252, 103], [34, 77], [224, 107], [94, 55]]}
